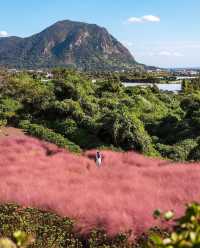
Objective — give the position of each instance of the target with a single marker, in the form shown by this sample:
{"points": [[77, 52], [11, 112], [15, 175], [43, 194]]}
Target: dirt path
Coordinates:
{"points": [[11, 132]]}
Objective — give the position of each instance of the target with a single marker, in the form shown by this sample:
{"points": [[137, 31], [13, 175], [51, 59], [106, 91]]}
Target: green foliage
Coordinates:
{"points": [[194, 154], [7, 243], [69, 108], [104, 113], [181, 151], [185, 233], [112, 86], [22, 239], [9, 109], [25, 89], [185, 86], [82, 136], [72, 87], [67, 127], [49, 230], [99, 239], [3, 123], [188, 87], [125, 130], [49, 135]]}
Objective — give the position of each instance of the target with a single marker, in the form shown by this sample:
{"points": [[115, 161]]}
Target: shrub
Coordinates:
{"points": [[49, 135], [67, 127], [69, 108], [125, 130], [50, 230], [82, 136], [194, 154], [19, 240], [24, 89], [3, 123], [9, 109], [184, 150], [185, 232]]}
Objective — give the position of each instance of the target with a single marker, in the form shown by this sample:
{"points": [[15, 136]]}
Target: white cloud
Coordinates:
{"points": [[134, 19], [173, 54], [151, 18], [3, 34], [142, 19]]}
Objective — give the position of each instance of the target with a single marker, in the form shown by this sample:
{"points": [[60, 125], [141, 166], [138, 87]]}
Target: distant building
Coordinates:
{"points": [[194, 72], [49, 75], [12, 70], [39, 71]]}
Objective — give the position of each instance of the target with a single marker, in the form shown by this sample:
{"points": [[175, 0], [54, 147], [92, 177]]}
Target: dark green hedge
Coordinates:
{"points": [[49, 135]]}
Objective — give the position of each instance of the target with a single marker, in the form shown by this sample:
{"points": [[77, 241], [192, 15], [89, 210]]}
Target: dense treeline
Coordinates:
{"points": [[72, 111], [134, 76]]}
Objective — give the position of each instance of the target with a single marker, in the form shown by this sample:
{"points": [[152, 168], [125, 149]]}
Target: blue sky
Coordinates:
{"points": [[158, 32]]}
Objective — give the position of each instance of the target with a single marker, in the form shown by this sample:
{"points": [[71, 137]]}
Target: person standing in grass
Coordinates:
{"points": [[98, 159]]}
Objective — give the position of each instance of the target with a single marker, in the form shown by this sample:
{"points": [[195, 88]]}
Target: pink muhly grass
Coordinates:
{"points": [[120, 195]]}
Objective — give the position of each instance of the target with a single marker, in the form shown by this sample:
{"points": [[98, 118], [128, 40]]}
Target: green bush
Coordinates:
{"points": [[194, 154], [50, 230], [125, 130], [69, 108], [67, 127], [80, 135], [181, 151], [9, 109], [19, 240], [3, 123], [185, 232], [49, 135], [25, 89]]}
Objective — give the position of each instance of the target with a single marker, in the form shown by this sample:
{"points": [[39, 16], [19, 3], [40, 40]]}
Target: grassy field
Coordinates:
{"points": [[118, 197]]}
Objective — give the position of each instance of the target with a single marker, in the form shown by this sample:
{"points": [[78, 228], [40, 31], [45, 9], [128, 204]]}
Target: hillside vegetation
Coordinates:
{"points": [[64, 199], [76, 114]]}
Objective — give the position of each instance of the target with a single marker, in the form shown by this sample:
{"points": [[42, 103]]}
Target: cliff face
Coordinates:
{"points": [[67, 43]]}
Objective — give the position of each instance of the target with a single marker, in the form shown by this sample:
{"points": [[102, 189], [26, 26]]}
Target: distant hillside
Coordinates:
{"points": [[66, 43]]}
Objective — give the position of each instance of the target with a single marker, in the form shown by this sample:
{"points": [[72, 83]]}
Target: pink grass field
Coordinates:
{"points": [[119, 196]]}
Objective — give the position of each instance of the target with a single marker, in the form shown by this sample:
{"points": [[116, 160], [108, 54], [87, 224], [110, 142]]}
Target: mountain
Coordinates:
{"points": [[67, 43]]}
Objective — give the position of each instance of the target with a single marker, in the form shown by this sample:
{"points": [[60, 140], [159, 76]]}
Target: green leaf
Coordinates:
{"points": [[156, 239], [193, 236], [157, 213], [168, 215]]}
